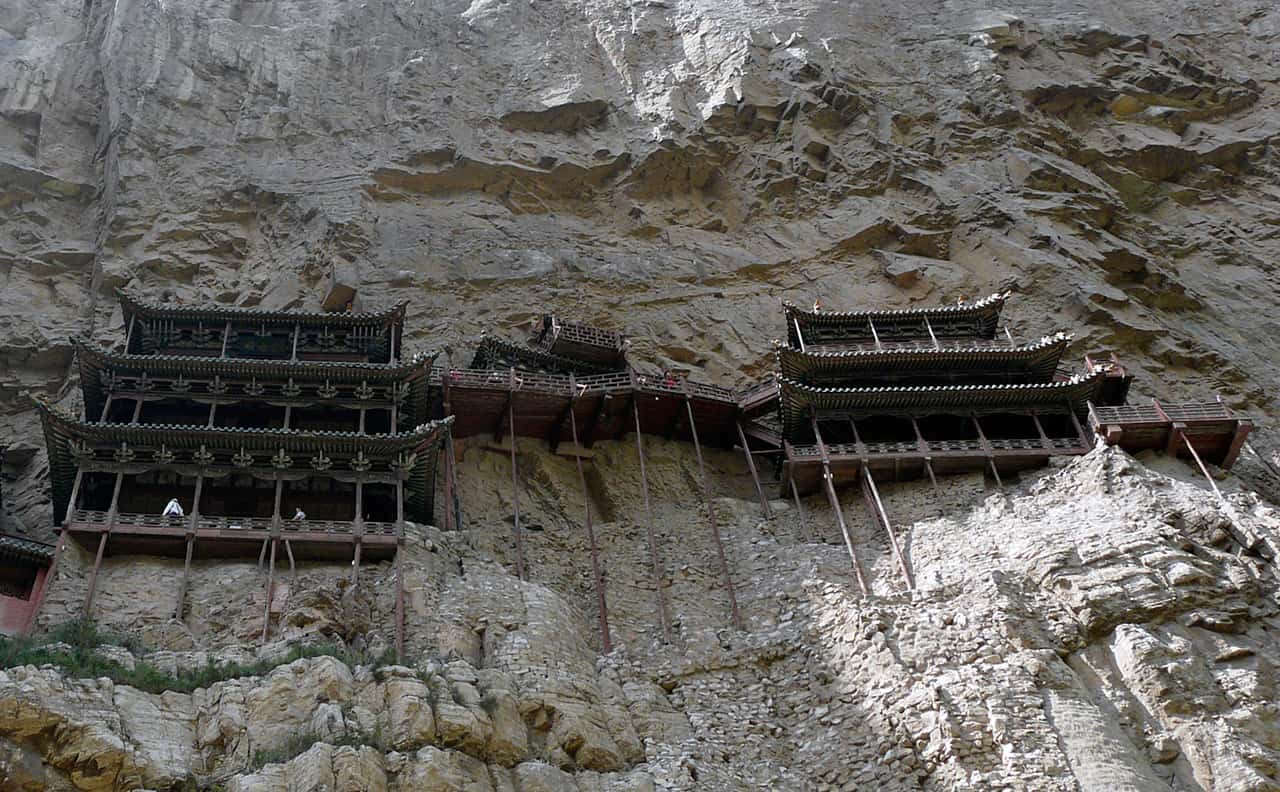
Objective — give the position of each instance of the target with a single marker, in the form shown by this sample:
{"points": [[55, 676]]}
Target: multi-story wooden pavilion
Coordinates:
{"points": [[301, 430]]}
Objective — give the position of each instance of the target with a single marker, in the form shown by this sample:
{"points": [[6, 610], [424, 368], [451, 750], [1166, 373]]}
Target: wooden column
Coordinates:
{"points": [[392, 355], [128, 334], [226, 337], [873, 495], [361, 428], [297, 332], [450, 524], [515, 480], [1044, 438], [213, 410], [1200, 463], [1238, 439], [106, 407], [834, 500], [288, 416], [648, 510], [755, 477], [601, 604], [874, 334], [711, 516], [358, 534], [1084, 438]]}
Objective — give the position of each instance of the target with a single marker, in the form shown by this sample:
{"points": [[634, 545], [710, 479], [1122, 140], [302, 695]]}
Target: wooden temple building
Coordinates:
{"points": [[311, 433], [300, 432]]}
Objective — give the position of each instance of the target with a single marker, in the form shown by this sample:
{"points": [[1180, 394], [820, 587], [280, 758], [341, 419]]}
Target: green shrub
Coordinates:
{"points": [[81, 662]]}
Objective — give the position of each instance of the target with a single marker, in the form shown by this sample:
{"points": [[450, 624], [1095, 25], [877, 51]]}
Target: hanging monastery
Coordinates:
{"points": [[292, 435]]}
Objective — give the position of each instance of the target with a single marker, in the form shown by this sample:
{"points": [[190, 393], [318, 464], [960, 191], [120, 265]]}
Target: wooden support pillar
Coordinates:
{"points": [[226, 338], [1044, 438], [393, 354], [447, 486], [872, 494], [48, 581], [128, 334], [929, 326], [137, 411], [711, 516], [271, 573], [1200, 464], [358, 533], [1177, 435], [213, 411], [191, 538], [795, 493], [874, 334], [834, 500], [106, 409], [293, 570], [102, 546], [1084, 438], [288, 416], [297, 331], [986, 449], [275, 509], [361, 428], [1009, 336], [648, 510], [858, 445], [589, 433], [456, 504], [799, 335], [515, 480], [601, 604], [923, 445], [755, 476], [1238, 439], [355, 562]]}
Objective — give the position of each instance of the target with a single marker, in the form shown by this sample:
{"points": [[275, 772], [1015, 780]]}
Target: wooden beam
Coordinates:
{"points": [[355, 561], [297, 331], [923, 445], [226, 338], [1044, 438], [93, 577], [400, 601], [106, 407], [872, 494], [711, 516], [755, 476], [804, 523], [191, 538], [834, 500], [1177, 432], [1238, 439], [799, 335], [557, 427], [929, 326], [648, 510], [271, 572], [986, 449], [601, 604], [874, 334]]}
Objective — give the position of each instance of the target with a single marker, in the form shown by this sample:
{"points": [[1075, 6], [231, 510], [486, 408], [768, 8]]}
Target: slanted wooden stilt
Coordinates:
{"points": [[711, 516], [186, 576], [923, 445], [515, 480], [795, 494], [293, 569], [1182, 436], [755, 476], [834, 500], [112, 511], [57, 551], [986, 448], [872, 494], [601, 605], [456, 504], [355, 562], [357, 533], [448, 489], [648, 511], [271, 573], [262, 554]]}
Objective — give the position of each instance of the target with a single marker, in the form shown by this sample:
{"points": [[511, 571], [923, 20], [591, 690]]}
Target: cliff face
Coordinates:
{"points": [[673, 168]]}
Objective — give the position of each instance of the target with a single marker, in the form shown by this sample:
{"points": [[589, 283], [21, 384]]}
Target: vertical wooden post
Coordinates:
{"points": [[213, 410], [128, 335], [711, 515], [755, 477], [106, 408], [1084, 438], [271, 573], [361, 429], [392, 356], [648, 511], [102, 546], [456, 503], [450, 524], [601, 604], [297, 331], [226, 337], [357, 535], [288, 416], [873, 494], [515, 480], [834, 500], [1044, 438]]}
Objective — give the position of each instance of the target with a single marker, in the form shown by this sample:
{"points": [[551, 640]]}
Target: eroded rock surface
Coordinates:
{"points": [[673, 168]]}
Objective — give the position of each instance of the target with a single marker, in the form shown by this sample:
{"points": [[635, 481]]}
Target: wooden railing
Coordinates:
{"points": [[90, 517], [944, 344], [559, 385], [1164, 413], [913, 448]]}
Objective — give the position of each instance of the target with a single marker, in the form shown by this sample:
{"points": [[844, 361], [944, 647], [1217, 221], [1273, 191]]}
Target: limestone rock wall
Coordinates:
{"points": [[673, 168]]}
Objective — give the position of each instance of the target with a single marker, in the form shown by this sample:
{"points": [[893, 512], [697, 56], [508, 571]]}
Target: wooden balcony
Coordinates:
{"points": [[905, 460], [230, 537], [1213, 429]]}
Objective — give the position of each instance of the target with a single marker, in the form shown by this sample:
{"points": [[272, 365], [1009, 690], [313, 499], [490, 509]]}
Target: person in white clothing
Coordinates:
{"points": [[173, 509], [298, 513]]}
